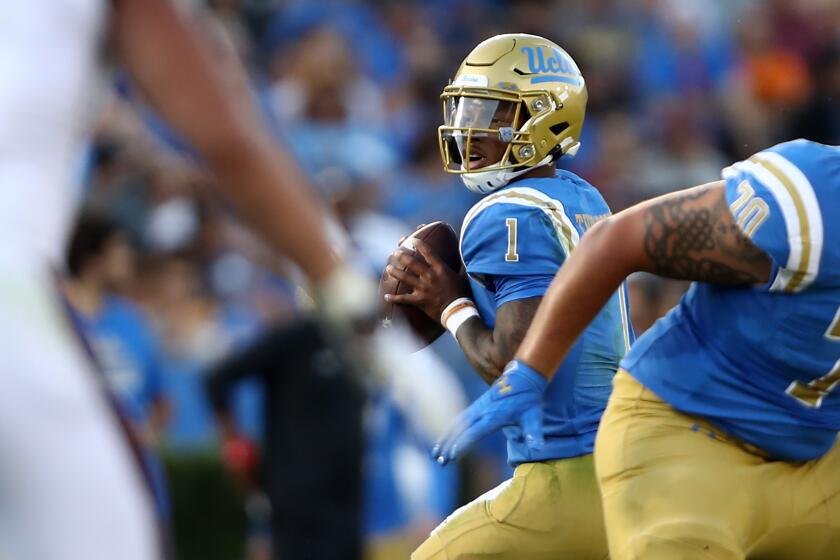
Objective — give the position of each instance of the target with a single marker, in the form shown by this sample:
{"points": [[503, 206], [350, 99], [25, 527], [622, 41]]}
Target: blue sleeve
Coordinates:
{"points": [[511, 288], [774, 199], [757, 213], [507, 239]]}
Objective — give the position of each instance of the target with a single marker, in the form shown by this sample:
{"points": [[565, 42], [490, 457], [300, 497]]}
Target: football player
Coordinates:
{"points": [[69, 487], [514, 108], [720, 438]]}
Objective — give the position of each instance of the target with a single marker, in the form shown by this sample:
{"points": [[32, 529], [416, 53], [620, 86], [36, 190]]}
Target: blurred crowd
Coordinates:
{"points": [[678, 89]]}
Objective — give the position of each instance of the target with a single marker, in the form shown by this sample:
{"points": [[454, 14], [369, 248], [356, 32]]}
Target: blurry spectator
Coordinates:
{"points": [[406, 494], [602, 37], [820, 118], [100, 262], [356, 203], [651, 297], [805, 27], [423, 192], [248, 280], [775, 75], [313, 439], [319, 79], [615, 161], [682, 154], [172, 221], [768, 86], [678, 55], [331, 114], [196, 332], [101, 265], [377, 51]]}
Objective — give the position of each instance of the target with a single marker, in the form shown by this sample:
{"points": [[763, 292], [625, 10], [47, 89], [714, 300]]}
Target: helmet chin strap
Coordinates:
{"points": [[485, 182]]}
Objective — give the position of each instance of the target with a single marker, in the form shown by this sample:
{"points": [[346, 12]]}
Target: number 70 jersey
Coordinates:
{"points": [[763, 362]]}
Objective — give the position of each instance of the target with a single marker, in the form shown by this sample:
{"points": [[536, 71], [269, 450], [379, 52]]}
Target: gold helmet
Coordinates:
{"points": [[519, 97]]}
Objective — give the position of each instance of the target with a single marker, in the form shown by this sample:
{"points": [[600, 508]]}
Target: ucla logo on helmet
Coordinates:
{"points": [[547, 63]]}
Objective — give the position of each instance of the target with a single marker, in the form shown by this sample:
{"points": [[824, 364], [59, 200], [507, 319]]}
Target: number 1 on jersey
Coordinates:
{"points": [[511, 255]]}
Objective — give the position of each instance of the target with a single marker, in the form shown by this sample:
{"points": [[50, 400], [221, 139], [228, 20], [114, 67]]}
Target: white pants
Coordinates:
{"points": [[70, 488]]}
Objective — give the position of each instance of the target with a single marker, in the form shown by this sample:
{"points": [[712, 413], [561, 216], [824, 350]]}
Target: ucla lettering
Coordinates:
{"points": [[532, 63], [540, 61], [551, 62]]}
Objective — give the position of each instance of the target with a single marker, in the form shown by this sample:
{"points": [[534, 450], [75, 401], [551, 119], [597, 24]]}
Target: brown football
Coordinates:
{"points": [[444, 242]]}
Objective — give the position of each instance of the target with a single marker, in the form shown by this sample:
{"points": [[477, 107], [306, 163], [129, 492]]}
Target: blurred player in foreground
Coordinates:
{"points": [[516, 106], [720, 438], [69, 486]]}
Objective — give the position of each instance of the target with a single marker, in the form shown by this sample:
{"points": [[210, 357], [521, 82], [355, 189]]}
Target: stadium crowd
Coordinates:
{"points": [[677, 90]]}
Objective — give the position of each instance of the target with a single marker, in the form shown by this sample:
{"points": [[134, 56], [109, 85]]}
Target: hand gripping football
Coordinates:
{"points": [[444, 242]]}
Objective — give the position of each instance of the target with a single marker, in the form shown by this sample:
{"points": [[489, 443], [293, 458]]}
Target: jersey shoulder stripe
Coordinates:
{"points": [[533, 198], [795, 196]]}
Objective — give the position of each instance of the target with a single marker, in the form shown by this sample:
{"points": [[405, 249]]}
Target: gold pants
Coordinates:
{"points": [[675, 488], [548, 510]]}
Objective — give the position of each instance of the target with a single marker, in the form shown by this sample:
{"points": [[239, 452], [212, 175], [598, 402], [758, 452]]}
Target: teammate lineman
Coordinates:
{"points": [[516, 106], [68, 488], [720, 438]]}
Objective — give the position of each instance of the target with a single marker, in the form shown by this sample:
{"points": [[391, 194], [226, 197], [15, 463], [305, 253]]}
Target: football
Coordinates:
{"points": [[444, 242]]}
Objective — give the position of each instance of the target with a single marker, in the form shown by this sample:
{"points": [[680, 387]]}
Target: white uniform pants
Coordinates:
{"points": [[70, 488]]}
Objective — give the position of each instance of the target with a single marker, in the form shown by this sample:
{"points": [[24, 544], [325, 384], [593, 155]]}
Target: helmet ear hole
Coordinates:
{"points": [[557, 129]]}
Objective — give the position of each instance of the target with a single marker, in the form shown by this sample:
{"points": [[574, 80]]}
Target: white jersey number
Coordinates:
{"points": [[749, 212]]}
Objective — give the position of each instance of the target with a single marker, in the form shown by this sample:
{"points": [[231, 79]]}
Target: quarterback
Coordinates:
{"points": [[720, 437], [69, 488], [516, 106]]}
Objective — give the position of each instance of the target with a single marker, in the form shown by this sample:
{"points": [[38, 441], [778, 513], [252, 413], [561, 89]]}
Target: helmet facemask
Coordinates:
{"points": [[485, 138], [530, 73]]}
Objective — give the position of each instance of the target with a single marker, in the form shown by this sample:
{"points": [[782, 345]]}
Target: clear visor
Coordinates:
{"points": [[471, 112], [475, 119]]}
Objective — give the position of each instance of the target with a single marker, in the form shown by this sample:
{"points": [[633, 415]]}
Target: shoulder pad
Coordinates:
{"points": [[517, 231]]}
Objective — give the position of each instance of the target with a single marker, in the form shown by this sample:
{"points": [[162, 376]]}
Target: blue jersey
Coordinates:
{"points": [[126, 350], [513, 242], [762, 363]]}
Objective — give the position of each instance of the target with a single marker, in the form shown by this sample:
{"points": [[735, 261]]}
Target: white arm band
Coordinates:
{"points": [[456, 314]]}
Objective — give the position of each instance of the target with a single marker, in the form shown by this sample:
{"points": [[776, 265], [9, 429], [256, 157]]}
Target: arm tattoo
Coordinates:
{"points": [[693, 236], [490, 351]]}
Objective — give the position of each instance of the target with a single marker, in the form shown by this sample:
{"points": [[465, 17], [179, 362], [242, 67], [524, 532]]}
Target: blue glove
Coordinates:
{"points": [[515, 399]]}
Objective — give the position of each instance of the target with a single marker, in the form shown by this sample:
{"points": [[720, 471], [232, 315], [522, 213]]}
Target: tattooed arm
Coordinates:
{"points": [[434, 285], [488, 351], [691, 235], [687, 235]]}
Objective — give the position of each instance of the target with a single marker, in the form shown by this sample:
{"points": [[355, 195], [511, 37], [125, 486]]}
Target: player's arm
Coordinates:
{"points": [[687, 235], [490, 350], [170, 64], [516, 250], [434, 286]]}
